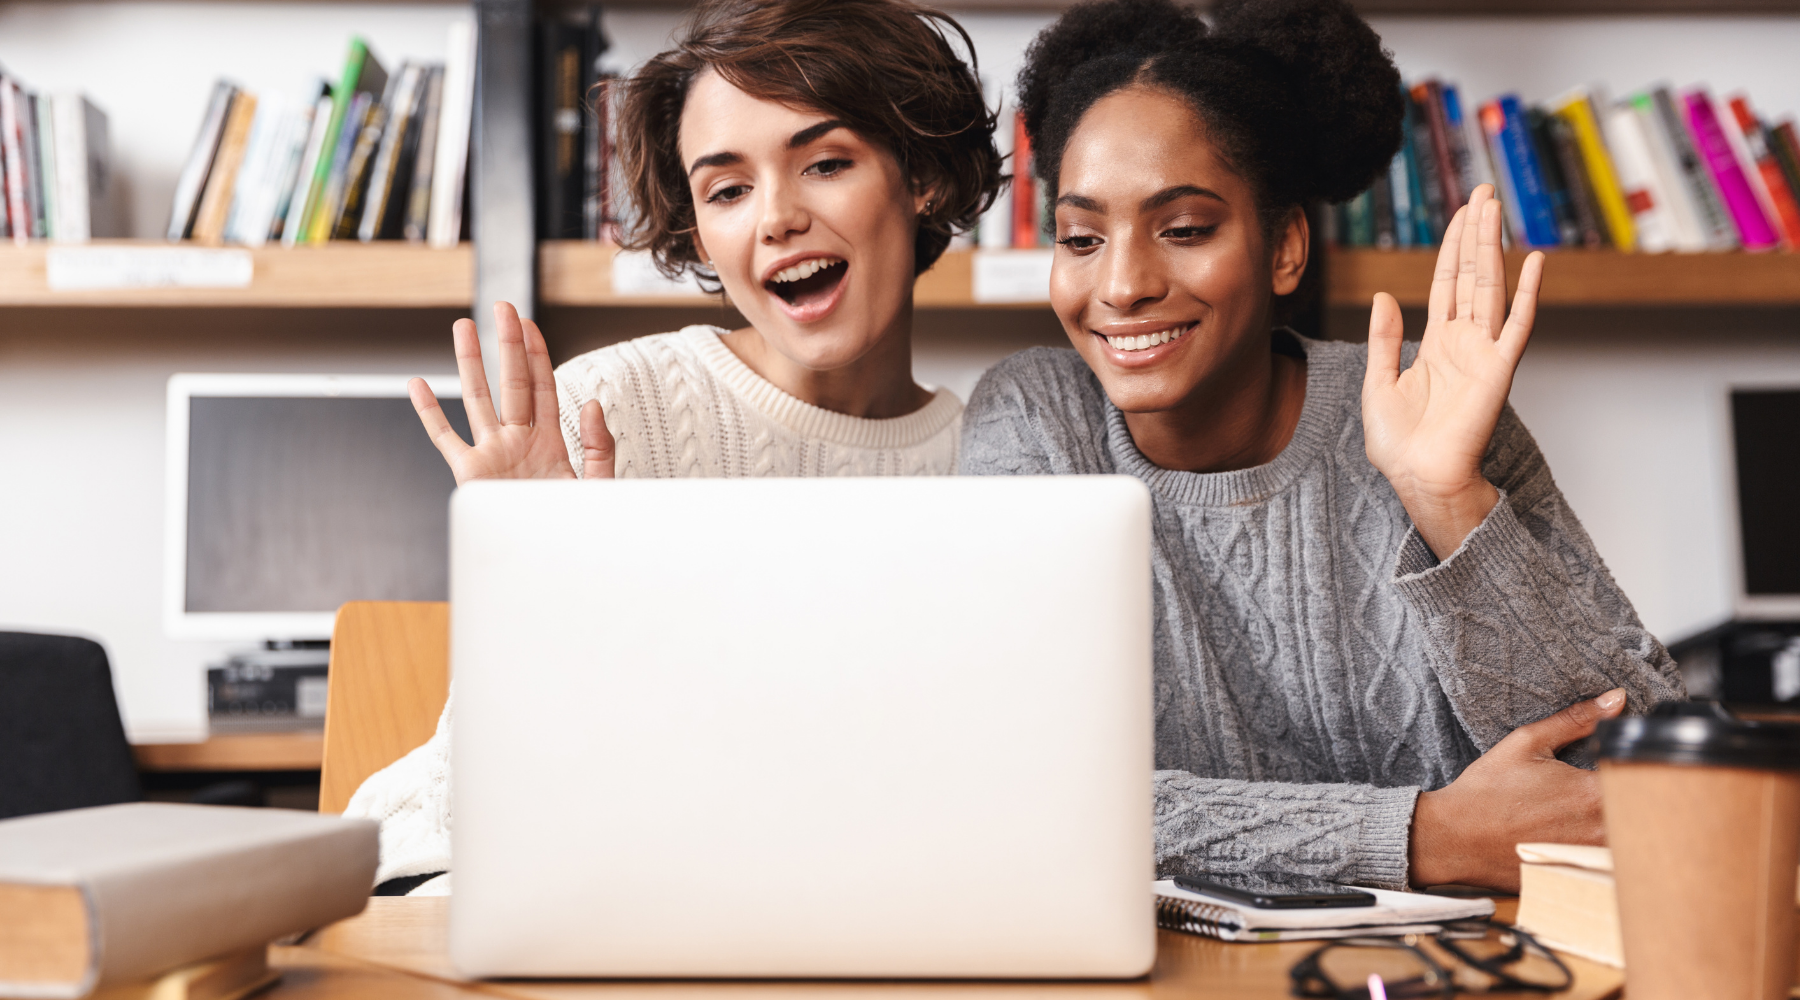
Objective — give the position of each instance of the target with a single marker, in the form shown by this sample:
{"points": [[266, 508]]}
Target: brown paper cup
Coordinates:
{"points": [[1703, 817]]}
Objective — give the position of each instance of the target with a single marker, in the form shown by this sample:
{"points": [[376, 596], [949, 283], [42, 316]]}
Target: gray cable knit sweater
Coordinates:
{"points": [[1316, 666]]}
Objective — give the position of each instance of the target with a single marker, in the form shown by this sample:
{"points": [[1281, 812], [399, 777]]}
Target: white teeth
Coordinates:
{"points": [[804, 269], [1147, 340]]}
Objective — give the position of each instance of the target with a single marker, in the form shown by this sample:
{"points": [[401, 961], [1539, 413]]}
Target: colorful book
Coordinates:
{"points": [[1786, 147], [1769, 169], [392, 170], [337, 176], [293, 213], [12, 152], [1556, 186], [358, 171], [1577, 110], [1754, 228], [1024, 189], [362, 75], [1561, 138], [1429, 98], [1426, 187], [1463, 156], [1684, 210], [192, 182], [1508, 127], [1715, 223], [1639, 180], [1402, 184]]}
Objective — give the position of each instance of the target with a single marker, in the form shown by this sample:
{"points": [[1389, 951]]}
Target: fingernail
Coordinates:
{"points": [[1611, 699]]}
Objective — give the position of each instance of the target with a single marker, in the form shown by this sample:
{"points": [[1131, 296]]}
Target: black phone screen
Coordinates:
{"points": [[1283, 893]]}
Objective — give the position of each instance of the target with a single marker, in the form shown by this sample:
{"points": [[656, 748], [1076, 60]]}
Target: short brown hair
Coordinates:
{"points": [[885, 67]]}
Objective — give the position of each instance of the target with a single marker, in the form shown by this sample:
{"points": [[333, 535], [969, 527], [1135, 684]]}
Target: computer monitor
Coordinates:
{"points": [[288, 495], [1765, 438]]}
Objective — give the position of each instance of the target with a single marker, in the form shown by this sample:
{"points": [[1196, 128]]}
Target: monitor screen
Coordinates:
{"points": [[1765, 427], [300, 503]]}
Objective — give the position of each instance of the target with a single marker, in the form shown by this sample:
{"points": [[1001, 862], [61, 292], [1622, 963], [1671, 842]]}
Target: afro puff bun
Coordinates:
{"points": [[1298, 95]]}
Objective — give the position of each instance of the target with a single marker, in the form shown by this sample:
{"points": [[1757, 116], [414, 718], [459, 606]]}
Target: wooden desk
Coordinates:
{"points": [[396, 948], [296, 751]]}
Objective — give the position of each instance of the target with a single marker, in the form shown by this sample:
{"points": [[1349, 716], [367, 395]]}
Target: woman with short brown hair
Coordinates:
{"points": [[809, 157]]}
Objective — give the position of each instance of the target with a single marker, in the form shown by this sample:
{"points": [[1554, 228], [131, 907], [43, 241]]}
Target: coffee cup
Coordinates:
{"points": [[1703, 817]]}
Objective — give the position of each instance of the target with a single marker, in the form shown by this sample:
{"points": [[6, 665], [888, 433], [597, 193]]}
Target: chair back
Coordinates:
{"points": [[389, 678], [62, 743]]}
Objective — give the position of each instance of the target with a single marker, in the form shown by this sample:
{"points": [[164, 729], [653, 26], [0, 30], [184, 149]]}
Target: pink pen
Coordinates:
{"points": [[1377, 989]]}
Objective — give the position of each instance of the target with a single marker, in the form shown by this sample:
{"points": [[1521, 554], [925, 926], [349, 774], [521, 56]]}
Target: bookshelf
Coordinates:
{"points": [[337, 274], [236, 752]]}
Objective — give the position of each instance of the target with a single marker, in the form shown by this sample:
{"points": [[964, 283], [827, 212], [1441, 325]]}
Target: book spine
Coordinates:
{"points": [[1715, 223], [1638, 180], [559, 131], [71, 155], [12, 148], [1506, 184], [388, 154], [1556, 186], [209, 219], [1382, 212], [1678, 198], [445, 228], [406, 157], [43, 167], [337, 177], [358, 172], [1581, 198], [1783, 143], [1427, 194], [1400, 189], [1457, 133], [1528, 178], [1359, 219], [418, 199], [1754, 229], [1429, 97], [340, 106], [192, 182], [1756, 140], [293, 220], [1604, 181], [1024, 189]]}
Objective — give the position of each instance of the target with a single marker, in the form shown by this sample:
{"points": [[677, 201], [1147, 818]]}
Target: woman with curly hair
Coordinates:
{"points": [[1377, 619], [810, 157]]}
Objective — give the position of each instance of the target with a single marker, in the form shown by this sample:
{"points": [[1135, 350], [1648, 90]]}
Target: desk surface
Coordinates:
{"points": [[396, 949], [287, 751]]}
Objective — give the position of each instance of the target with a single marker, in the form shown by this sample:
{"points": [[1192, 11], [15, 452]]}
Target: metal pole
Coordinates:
{"points": [[503, 224]]}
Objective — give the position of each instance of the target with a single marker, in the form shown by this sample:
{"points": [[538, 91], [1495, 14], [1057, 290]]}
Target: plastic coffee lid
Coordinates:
{"points": [[1699, 732]]}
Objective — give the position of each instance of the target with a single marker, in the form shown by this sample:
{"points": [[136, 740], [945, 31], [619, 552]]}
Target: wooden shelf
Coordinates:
{"points": [[299, 751], [1584, 278], [338, 274]]}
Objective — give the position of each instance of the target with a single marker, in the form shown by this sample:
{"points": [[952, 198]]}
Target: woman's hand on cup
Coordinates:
{"points": [[522, 438], [1518, 792], [1427, 428]]}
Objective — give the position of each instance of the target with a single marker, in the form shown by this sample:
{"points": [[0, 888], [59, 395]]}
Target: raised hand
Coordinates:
{"points": [[1517, 792], [1428, 427], [523, 440]]}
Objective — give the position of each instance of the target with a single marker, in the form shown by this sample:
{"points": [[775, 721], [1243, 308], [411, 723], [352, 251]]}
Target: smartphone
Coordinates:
{"points": [[1284, 893]]}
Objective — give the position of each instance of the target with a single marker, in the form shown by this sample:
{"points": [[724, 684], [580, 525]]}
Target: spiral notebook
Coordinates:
{"points": [[1393, 914]]}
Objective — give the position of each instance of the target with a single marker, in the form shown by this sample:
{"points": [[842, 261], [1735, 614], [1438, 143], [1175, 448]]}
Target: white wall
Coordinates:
{"points": [[1628, 427]]}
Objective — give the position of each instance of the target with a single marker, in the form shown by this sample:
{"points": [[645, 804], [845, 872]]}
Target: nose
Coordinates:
{"points": [[1132, 276], [783, 214]]}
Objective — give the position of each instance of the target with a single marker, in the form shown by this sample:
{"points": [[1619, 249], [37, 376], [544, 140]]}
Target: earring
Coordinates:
{"points": [[926, 211]]}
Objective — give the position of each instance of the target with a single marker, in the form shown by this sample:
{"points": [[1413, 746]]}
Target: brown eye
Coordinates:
{"points": [[1079, 242], [829, 168], [732, 193], [1190, 232]]}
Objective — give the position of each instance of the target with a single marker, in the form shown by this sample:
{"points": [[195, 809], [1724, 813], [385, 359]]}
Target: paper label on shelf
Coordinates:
{"points": [[1012, 276], [633, 273], [107, 268]]}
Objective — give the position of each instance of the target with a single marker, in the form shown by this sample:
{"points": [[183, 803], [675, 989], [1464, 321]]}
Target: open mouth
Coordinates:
{"points": [[808, 284], [1144, 341]]}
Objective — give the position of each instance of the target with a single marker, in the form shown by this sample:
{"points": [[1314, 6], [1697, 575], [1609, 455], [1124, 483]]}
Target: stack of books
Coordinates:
{"points": [[581, 194], [1655, 172], [54, 178], [378, 156]]}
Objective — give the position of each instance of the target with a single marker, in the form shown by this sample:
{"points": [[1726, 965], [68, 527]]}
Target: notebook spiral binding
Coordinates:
{"points": [[1194, 917]]}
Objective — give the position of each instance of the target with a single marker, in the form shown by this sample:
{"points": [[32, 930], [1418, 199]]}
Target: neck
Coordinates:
{"points": [[1240, 416], [877, 386]]}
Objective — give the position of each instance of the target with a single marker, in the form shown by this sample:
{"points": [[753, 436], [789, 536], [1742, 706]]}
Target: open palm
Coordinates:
{"points": [[523, 439], [1428, 427]]}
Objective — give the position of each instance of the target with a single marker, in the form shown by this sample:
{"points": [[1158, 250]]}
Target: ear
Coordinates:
{"points": [[924, 194], [700, 247], [1291, 244]]}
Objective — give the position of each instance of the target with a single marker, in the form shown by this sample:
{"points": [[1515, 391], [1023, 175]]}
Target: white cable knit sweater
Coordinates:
{"points": [[678, 405]]}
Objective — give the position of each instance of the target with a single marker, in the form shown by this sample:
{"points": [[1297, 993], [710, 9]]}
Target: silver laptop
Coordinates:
{"points": [[802, 728]]}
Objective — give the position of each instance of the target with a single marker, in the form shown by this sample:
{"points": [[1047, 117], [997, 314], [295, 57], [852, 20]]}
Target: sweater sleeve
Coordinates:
{"points": [[1523, 618], [1354, 834]]}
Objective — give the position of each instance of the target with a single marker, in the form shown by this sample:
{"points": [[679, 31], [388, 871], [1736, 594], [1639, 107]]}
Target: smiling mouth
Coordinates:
{"points": [[809, 282], [1145, 341]]}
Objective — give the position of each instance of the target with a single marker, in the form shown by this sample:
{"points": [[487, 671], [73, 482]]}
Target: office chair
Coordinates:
{"points": [[390, 677], [62, 744]]}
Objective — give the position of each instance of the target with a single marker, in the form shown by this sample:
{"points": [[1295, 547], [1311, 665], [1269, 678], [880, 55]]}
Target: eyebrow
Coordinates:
{"points": [[1155, 201], [811, 133]]}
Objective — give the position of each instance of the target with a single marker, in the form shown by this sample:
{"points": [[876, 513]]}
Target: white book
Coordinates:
{"points": [[253, 175], [86, 205], [445, 227], [1393, 914], [1639, 179], [299, 190], [1689, 228], [996, 222], [45, 141]]}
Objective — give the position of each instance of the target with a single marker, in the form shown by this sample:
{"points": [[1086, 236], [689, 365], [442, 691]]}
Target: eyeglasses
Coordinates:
{"points": [[1484, 957]]}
